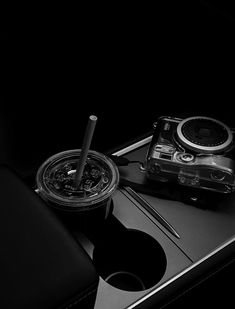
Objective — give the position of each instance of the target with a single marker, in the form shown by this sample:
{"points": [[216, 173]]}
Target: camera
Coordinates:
{"points": [[196, 152]]}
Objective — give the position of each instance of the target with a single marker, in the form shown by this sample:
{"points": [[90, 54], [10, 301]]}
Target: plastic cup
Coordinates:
{"points": [[55, 181]]}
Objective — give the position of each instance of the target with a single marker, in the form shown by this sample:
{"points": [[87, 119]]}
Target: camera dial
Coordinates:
{"points": [[185, 157]]}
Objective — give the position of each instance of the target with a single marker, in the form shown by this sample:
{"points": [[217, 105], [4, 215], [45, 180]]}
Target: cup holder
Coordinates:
{"points": [[130, 261]]}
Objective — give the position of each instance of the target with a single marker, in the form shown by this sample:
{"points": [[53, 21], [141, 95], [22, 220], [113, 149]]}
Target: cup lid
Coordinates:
{"points": [[55, 180]]}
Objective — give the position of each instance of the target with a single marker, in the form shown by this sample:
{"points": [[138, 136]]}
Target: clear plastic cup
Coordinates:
{"points": [[55, 181]]}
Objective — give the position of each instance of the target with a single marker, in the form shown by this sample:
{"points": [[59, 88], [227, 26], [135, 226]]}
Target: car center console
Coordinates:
{"points": [[139, 261]]}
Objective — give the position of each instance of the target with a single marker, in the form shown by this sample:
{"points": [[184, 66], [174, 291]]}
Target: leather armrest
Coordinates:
{"points": [[41, 264]]}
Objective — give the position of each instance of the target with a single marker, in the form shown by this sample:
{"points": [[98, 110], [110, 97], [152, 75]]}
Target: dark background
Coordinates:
{"points": [[127, 64]]}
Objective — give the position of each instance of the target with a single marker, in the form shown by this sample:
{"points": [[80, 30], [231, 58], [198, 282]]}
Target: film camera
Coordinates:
{"points": [[196, 152]]}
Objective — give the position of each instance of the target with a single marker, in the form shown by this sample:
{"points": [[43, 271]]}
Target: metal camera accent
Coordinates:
{"points": [[196, 152]]}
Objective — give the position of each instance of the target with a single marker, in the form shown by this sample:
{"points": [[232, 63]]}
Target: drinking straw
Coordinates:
{"points": [[85, 148]]}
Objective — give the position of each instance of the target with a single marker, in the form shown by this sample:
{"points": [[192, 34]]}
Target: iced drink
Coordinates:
{"points": [[56, 181]]}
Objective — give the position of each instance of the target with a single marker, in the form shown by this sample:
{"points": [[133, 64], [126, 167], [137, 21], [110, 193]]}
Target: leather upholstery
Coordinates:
{"points": [[41, 265]]}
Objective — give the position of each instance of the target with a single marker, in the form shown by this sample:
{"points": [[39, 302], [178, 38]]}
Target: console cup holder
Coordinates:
{"points": [[130, 261]]}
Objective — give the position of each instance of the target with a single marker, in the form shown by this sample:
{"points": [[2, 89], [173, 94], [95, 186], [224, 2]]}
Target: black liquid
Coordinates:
{"points": [[60, 179]]}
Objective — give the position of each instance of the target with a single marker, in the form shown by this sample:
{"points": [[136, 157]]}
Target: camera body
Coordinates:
{"points": [[197, 152]]}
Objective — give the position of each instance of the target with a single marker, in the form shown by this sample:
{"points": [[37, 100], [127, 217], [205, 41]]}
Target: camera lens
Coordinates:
{"points": [[204, 134]]}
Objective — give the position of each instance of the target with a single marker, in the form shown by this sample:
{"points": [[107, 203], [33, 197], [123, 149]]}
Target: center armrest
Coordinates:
{"points": [[42, 266]]}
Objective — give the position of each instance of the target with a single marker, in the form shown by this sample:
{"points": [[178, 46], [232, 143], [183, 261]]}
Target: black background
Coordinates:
{"points": [[127, 64]]}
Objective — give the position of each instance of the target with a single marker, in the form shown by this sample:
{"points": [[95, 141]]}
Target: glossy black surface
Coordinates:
{"points": [[132, 254]]}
